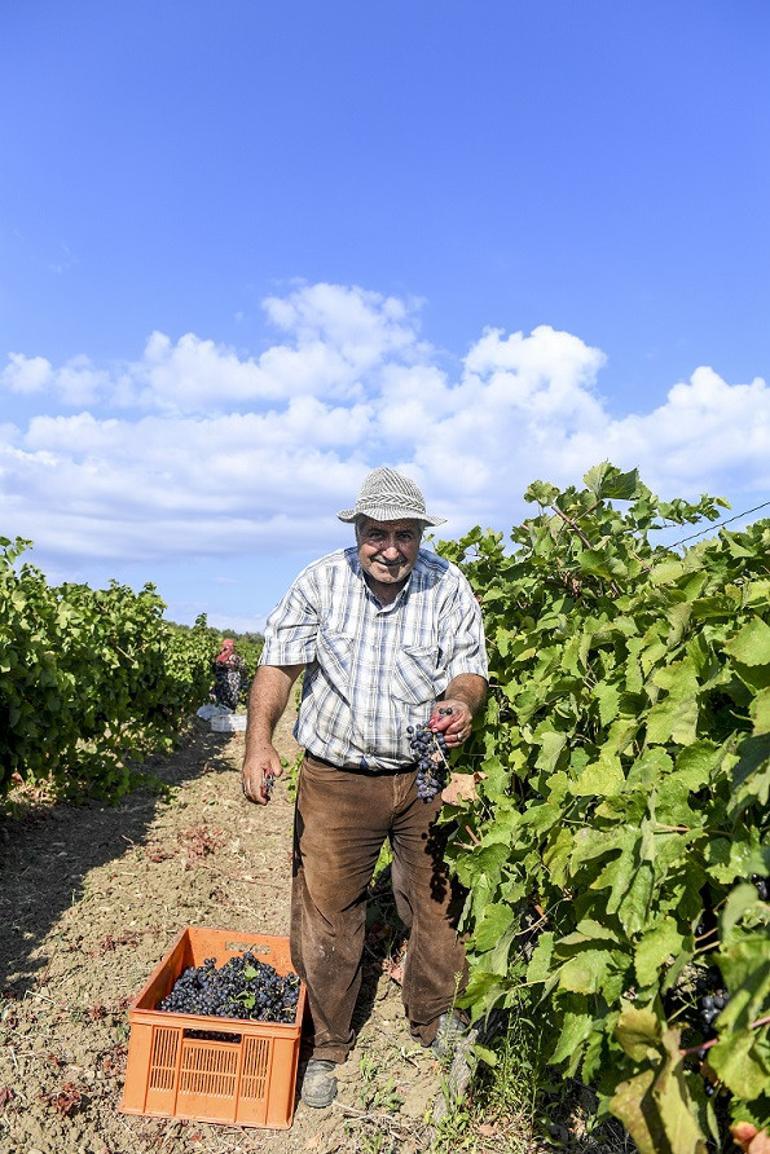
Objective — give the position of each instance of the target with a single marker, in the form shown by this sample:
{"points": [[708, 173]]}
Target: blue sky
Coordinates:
{"points": [[336, 219]]}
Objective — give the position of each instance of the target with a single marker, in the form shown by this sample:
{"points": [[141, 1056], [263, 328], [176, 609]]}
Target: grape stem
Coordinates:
{"points": [[576, 529], [572, 524], [437, 749], [542, 921], [755, 1025], [476, 840], [705, 949]]}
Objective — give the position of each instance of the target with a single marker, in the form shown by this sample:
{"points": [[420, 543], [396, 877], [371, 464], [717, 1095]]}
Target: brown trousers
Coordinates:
{"points": [[342, 819]]}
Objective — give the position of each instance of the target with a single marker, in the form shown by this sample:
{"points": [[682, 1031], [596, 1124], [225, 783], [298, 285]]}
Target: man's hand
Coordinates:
{"points": [[451, 717], [262, 763], [268, 698], [749, 1138]]}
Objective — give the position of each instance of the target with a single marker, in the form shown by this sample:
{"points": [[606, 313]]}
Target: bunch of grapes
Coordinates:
{"points": [[711, 1006], [699, 1001], [243, 987], [762, 887], [430, 750]]}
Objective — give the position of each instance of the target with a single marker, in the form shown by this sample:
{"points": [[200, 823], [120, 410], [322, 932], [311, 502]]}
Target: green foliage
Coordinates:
{"points": [[626, 754], [88, 676]]}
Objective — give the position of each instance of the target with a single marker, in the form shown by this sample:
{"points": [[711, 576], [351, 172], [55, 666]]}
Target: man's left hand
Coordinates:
{"points": [[452, 718]]}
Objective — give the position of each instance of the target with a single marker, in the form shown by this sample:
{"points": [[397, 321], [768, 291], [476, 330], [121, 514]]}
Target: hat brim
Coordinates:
{"points": [[390, 513]]}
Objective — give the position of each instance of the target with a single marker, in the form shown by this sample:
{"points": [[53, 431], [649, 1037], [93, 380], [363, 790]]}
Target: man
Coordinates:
{"points": [[383, 630]]}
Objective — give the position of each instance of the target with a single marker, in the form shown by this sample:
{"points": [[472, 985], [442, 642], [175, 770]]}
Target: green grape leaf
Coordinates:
{"points": [[608, 697], [539, 967], [585, 972], [738, 1062], [759, 711], [739, 900], [661, 942], [576, 1028], [603, 778], [751, 646], [495, 922]]}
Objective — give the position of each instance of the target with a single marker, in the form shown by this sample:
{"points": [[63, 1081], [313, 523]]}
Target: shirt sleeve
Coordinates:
{"points": [[292, 627], [461, 635]]}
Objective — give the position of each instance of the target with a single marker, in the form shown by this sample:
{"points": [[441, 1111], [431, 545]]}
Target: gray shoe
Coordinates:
{"points": [[451, 1031], [319, 1086]]}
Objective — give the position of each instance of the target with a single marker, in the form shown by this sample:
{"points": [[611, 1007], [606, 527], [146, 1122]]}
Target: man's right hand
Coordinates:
{"points": [[259, 765]]}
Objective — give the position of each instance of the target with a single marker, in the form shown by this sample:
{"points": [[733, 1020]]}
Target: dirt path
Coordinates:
{"points": [[91, 897]]}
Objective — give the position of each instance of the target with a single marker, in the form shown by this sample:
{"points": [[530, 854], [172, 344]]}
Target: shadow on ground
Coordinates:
{"points": [[47, 851]]}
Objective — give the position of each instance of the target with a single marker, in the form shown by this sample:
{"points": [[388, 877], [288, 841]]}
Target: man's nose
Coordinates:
{"points": [[391, 548]]}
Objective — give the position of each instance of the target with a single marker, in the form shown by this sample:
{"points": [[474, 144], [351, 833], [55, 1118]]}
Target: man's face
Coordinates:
{"points": [[387, 550]]}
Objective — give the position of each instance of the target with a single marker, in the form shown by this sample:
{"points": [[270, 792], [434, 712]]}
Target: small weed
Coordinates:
{"points": [[516, 1080], [374, 1142], [520, 1106], [122, 1031], [455, 1131], [370, 1136], [374, 1096]]}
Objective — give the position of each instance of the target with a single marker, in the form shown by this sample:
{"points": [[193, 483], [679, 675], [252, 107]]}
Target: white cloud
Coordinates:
{"points": [[362, 325], [708, 436], [75, 383], [340, 339], [26, 374], [206, 450]]}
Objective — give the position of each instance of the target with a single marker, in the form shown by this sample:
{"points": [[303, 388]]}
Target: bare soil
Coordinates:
{"points": [[92, 896]]}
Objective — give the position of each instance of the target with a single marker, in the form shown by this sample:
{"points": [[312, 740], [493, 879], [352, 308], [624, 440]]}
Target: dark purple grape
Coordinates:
{"points": [[429, 749]]}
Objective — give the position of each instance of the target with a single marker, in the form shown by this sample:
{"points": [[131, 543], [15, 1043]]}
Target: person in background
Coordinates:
{"points": [[229, 671], [390, 638]]}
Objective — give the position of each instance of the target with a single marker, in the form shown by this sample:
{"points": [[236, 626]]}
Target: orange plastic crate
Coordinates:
{"points": [[248, 1081]]}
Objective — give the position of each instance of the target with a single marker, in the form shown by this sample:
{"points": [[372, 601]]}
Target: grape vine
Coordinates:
{"points": [[89, 676], [617, 854]]}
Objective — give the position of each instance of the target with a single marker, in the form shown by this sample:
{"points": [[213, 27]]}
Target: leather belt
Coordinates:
{"points": [[361, 769]]}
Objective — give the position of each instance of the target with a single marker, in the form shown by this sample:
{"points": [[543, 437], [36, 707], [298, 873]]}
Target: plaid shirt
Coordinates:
{"points": [[372, 669]]}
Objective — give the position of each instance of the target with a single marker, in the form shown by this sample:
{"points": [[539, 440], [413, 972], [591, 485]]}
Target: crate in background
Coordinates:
{"points": [[174, 1072], [229, 723]]}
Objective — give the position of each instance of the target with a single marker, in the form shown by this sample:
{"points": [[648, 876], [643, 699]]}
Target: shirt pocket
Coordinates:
{"points": [[334, 654], [414, 674]]}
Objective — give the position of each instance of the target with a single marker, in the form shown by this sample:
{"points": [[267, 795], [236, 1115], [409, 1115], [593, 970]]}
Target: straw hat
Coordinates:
{"points": [[389, 496]]}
